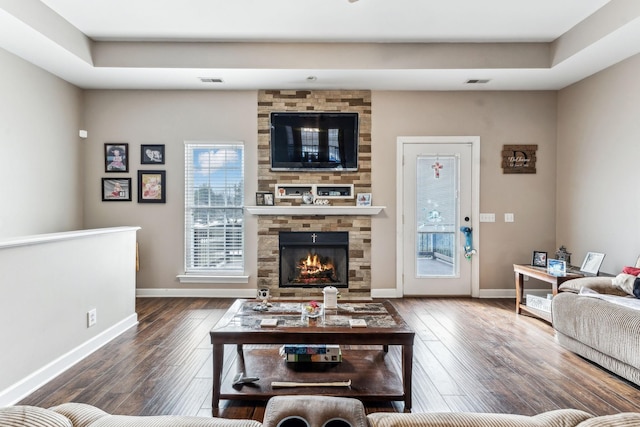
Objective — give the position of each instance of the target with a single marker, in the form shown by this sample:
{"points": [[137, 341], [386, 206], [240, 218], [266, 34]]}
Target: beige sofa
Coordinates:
{"points": [[306, 411], [603, 327]]}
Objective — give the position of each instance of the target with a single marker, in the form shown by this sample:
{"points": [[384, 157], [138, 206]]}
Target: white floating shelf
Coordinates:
{"points": [[315, 210]]}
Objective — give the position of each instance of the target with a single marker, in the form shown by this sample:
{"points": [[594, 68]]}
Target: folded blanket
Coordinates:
{"points": [[627, 301]]}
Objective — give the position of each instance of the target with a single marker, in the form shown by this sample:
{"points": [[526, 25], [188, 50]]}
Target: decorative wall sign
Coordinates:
{"points": [[519, 158]]}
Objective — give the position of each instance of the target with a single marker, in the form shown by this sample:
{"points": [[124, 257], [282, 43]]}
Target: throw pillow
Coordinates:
{"points": [[624, 282], [636, 287], [31, 416], [631, 270]]}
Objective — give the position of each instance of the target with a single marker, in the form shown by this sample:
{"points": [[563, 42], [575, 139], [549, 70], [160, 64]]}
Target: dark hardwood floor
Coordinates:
{"points": [[472, 355]]}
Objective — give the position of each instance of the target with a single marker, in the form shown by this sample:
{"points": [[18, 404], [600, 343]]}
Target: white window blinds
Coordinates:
{"points": [[214, 208]]}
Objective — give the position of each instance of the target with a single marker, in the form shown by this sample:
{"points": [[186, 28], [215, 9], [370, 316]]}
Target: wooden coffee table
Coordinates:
{"points": [[373, 375]]}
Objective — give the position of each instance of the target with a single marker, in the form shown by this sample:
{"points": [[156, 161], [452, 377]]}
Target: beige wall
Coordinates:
{"points": [[43, 310], [170, 118], [52, 178], [498, 118], [598, 172], [41, 172]]}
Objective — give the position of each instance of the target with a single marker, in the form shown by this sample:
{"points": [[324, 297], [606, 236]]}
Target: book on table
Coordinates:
{"points": [[311, 353]]}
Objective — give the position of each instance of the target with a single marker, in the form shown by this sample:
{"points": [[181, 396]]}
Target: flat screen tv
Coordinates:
{"points": [[314, 141]]}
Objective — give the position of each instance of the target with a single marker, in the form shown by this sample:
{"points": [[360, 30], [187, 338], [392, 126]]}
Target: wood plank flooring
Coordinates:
{"points": [[472, 355]]}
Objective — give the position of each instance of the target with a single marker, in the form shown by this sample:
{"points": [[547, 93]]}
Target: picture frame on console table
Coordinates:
{"points": [[556, 267], [539, 259], [591, 264]]}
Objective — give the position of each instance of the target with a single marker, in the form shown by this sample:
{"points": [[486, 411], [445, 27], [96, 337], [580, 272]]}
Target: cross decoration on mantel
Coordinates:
{"points": [[436, 169]]}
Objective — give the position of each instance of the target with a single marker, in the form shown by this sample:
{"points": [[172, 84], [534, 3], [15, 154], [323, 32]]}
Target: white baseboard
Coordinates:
{"points": [[497, 293], [28, 385], [251, 293], [385, 293], [229, 293]]}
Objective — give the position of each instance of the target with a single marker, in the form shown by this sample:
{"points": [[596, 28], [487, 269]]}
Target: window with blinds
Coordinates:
{"points": [[214, 207]]}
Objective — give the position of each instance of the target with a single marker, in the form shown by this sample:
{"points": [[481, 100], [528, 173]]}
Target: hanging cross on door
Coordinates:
{"points": [[436, 169]]}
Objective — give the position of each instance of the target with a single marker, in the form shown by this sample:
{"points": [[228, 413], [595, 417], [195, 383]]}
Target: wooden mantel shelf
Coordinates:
{"points": [[315, 210]]}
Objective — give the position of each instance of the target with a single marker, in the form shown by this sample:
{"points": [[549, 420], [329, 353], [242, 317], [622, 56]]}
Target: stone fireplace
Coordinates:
{"points": [[356, 227]]}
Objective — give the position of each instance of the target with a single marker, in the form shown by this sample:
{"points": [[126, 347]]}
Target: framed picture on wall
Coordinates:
{"points": [[152, 154], [116, 157], [116, 190], [152, 186]]}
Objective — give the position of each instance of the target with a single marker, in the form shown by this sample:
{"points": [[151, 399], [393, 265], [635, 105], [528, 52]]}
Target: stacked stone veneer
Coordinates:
{"points": [[359, 227]]}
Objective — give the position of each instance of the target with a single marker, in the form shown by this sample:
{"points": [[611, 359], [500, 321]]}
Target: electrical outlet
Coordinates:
{"points": [[508, 217], [92, 317]]}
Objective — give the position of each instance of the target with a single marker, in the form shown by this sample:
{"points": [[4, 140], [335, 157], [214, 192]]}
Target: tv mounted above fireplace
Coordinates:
{"points": [[314, 141]]}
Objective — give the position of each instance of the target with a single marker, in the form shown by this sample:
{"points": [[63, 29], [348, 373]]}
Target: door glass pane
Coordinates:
{"points": [[436, 216]]}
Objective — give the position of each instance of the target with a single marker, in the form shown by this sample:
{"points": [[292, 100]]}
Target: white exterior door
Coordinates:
{"points": [[437, 211]]}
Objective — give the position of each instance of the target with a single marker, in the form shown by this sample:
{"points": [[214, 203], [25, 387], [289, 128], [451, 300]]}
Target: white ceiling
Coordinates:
{"points": [[344, 44]]}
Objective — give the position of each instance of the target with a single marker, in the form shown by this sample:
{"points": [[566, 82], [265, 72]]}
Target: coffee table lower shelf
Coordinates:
{"points": [[372, 373]]}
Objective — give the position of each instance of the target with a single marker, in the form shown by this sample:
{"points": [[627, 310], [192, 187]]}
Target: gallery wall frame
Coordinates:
{"points": [[152, 154], [152, 186], [116, 189], [116, 157]]}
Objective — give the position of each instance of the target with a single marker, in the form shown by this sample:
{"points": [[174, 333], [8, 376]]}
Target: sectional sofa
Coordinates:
{"points": [[598, 318], [307, 411]]}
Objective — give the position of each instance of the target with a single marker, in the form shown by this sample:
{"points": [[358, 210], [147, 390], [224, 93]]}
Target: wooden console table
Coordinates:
{"points": [[540, 273]]}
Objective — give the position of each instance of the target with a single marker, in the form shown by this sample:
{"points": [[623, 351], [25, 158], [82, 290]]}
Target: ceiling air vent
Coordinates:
{"points": [[211, 79], [478, 81]]}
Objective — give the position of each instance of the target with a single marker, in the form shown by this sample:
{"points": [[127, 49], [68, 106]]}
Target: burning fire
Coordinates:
{"points": [[313, 269]]}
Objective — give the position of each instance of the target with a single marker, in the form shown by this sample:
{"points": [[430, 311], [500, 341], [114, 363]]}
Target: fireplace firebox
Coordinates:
{"points": [[314, 259]]}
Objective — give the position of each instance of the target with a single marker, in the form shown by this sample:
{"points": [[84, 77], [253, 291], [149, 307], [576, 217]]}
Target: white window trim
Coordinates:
{"points": [[211, 278], [221, 277]]}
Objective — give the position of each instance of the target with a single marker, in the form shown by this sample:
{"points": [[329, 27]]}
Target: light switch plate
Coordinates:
{"points": [[487, 217], [508, 217]]}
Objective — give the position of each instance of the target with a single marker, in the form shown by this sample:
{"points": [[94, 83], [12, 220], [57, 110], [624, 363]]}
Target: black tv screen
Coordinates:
{"points": [[313, 141]]}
